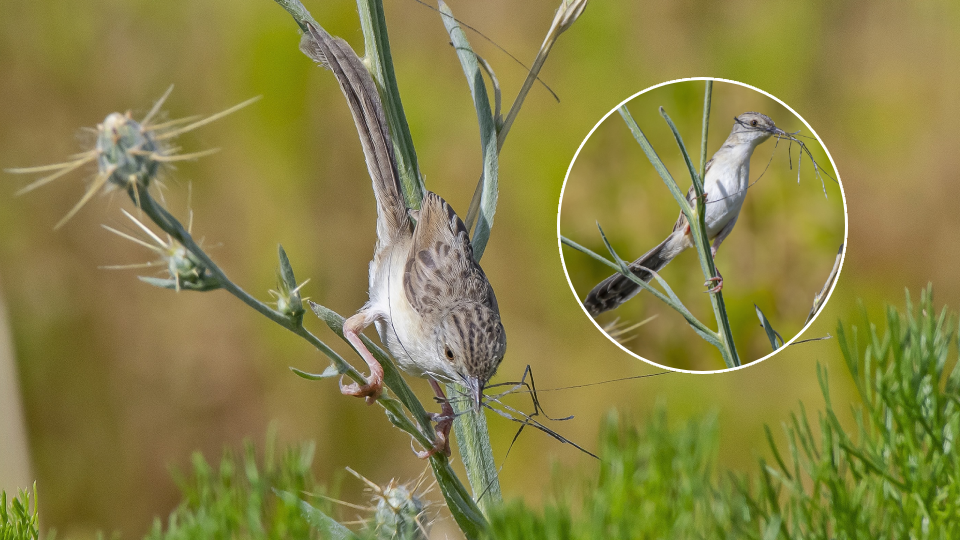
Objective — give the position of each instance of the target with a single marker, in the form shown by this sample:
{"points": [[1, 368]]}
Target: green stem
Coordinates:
{"points": [[731, 357], [380, 65], [473, 441], [707, 98]]}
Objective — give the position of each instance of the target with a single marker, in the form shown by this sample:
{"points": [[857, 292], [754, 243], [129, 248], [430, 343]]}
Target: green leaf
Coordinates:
{"points": [[286, 271], [697, 181], [331, 371], [488, 129], [772, 334], [657, 163]]}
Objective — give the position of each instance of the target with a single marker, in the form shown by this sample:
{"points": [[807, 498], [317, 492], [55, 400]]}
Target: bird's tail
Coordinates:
{"points": [[617, 288], [368, 114]]}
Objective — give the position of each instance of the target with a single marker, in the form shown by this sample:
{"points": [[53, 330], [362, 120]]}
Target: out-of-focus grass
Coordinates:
{"points": [[120, 380], [778, 256]]}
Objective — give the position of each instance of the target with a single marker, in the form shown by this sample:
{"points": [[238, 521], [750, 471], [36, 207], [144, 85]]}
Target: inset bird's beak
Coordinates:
{"points": [[779, 132]]}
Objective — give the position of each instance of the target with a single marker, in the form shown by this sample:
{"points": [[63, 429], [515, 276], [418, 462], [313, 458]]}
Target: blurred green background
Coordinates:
{"points": [[121, 381], [783, 247]]}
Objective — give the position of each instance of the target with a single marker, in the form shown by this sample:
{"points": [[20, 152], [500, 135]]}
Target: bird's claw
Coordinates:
{"points": [[718, 284], [441, 445], [371, 391]]}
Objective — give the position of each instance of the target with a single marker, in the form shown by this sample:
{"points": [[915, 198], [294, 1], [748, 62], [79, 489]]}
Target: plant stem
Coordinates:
{"points": [[707, 98], [731, 358], [473, 440], [379, 62]]}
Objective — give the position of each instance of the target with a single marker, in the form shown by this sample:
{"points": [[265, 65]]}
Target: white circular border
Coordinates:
{"points": [[843, 196]]}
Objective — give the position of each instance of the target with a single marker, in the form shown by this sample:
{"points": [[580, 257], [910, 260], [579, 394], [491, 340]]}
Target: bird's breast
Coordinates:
{"points": [[726, 189]]}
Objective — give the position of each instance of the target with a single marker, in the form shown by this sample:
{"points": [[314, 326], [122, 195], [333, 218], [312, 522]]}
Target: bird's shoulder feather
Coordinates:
{"points": [[440, 269]]}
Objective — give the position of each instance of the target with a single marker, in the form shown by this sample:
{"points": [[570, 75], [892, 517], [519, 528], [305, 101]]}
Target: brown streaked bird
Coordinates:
{"points": [[727, 178], [432, 304]]}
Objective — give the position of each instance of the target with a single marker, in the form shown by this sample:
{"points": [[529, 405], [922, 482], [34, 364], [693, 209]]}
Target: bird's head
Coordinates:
{"points": [[754, 128], [471, 341]]}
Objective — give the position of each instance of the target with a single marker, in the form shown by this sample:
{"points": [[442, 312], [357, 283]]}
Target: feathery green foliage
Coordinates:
{"points": [[17, 521], [897, 475], [237, 499]]}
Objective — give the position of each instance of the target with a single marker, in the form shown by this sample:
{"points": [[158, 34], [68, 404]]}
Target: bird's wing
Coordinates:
{"points": [[691, 196], [440, 267]]}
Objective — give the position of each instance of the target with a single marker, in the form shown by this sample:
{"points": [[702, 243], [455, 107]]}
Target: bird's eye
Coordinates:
{"points": [[448, 353], [754, 123]]}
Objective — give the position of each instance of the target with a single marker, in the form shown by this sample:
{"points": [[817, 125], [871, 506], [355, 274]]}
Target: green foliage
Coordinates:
{"points": [[17, 522], [238, 499], [654, 482], [896, 475]]}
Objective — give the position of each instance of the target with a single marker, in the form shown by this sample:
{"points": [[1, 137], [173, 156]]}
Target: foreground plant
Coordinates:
{"points": [[896, 475]]}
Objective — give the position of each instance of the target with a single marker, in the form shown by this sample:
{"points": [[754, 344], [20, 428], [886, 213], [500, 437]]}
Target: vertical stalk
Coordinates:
{"points": [[470, 428], [473, 440], [379, 62], [730, 356], [707, 97]]}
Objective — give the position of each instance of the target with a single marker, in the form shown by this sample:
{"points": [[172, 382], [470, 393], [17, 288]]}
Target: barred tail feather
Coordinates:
{"points": [[369, 116], [617, 288]]}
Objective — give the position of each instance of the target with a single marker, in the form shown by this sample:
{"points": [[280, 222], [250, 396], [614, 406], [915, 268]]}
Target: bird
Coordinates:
{"points": [[726, 180], [431, 302]]}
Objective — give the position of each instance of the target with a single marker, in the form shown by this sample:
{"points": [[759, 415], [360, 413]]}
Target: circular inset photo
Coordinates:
{"points": [[702, 225]]}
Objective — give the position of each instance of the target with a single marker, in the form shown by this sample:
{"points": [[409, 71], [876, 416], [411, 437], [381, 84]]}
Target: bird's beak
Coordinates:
{"points": [[777, 132]]}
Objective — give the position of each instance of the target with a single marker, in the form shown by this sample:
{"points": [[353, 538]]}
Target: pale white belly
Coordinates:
{"points": [[410, 342]]}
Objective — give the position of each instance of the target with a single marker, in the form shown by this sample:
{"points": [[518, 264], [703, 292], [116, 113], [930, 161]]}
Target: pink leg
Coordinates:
{"points": [[444, 423], [352, 328], [718, 280]]}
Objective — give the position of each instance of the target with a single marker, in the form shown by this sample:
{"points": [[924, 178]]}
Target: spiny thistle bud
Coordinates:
{"points": [[399, 512], [185, 270], [125, 152], [128, 154]]}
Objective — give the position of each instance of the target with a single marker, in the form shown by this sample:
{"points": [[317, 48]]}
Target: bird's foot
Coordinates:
{"points": [[717, 283], [352, 328], [371, 390], [441, 444], [444, 420]]}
